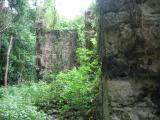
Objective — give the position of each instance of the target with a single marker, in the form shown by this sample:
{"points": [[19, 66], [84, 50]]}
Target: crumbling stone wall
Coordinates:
{"points": [[129, 47], [55, 50], [90, 31]]}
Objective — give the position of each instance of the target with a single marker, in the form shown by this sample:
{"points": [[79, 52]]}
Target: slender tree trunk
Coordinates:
{"points": [[0, 43], [7, 64]]}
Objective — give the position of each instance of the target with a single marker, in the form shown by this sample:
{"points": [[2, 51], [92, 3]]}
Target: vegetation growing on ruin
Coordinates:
{"points": [[67, 94]]}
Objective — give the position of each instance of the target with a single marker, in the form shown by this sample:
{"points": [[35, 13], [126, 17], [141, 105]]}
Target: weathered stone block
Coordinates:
{"points": [[113, 20], [133, 33], [133, 100], [112, 5]]}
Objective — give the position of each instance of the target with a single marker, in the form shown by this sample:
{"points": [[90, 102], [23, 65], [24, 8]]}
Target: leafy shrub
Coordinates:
{"points": [[68, 90], [18, 111], [74, 89], [18, 102], [49, 77]]}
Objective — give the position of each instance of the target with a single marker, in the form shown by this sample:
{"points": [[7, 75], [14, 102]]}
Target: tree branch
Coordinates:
{"points": [[5, 27]]}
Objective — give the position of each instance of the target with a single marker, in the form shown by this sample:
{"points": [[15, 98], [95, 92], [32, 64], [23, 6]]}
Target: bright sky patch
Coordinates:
{"points": [[72, 8]]}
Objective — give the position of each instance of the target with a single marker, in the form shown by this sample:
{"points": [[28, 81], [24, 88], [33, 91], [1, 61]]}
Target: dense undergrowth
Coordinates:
{"points": [[67, 95], [70, 91]]}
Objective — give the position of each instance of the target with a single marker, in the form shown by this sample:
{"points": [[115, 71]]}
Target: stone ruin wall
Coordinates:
{"points": [[129, 47], [56, 50]]}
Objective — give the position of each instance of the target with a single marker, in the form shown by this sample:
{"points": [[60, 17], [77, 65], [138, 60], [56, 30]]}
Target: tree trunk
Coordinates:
{"points": [[7, 64]]}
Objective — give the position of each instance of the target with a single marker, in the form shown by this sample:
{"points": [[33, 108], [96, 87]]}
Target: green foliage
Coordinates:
{"points": [[68, 90], [62, 92], [18, 111], [93, 8], [89, 59], [50, 15], [74, 24], [18, 103], [78, 87], [22, 28], [50, 77], [78, 90], [46, 12]]}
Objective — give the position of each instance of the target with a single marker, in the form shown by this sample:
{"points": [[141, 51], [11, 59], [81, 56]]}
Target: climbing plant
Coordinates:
{"points": [[46, 14]]}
